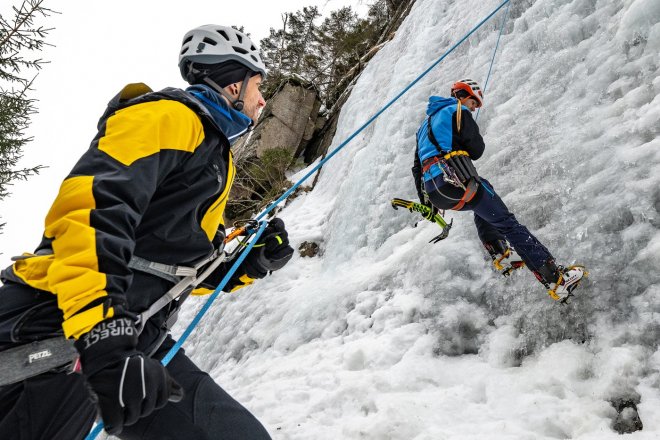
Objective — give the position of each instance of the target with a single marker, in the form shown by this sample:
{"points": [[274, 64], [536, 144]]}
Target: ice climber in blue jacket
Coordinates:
{"points": [[447, 142]]}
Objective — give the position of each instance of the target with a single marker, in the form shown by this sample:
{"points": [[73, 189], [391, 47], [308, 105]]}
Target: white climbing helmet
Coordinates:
{"points": [[471, 87], [213, 44]]}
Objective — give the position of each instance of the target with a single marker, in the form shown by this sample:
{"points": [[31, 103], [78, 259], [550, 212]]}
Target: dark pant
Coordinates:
{"points": [[493, 220], [49, 406], [59, 406], [206, 411]]}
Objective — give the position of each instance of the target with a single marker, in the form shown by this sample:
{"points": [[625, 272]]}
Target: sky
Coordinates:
{"points": [[98, 47]]}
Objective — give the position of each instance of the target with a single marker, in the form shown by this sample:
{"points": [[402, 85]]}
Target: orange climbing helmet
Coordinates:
{"points": [[471, 87]]}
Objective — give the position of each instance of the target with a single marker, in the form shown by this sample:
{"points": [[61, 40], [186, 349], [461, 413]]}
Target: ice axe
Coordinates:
{"points": [[427, 214]]}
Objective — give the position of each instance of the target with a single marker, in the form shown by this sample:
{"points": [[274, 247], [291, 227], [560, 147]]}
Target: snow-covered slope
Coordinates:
{"points": [[385, 336]]}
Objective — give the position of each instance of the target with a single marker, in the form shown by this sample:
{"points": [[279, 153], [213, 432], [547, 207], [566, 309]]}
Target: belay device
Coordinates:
{"points": [[428, 215]]}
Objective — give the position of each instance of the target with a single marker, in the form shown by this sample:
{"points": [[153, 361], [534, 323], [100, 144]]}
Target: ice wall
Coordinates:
{"points": [[385, 336]]}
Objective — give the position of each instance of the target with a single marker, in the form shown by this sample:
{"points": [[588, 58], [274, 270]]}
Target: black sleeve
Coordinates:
{"points": [[468, 138], [417, 176]]}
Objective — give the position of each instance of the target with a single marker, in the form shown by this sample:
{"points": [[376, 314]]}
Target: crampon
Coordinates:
{"points": [[569, 279]]}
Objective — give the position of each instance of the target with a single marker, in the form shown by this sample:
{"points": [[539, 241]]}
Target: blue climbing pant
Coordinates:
{"points": [[493, 219]]}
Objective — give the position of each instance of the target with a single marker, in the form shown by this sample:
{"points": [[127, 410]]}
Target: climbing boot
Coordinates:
{"points": [[505, 258], [560, 281]]}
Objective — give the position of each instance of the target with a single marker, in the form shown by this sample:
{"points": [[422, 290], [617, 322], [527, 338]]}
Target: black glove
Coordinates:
{"points": [[271, 252], [128, 384]]}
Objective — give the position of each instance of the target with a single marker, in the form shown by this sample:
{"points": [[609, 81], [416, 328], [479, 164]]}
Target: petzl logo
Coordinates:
{"points": [[39, 355]]}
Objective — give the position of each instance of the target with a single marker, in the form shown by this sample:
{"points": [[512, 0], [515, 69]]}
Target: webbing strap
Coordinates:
{"points": [[170, 272], [470, 191], [34, 358], [183, 284], [430, 134]]}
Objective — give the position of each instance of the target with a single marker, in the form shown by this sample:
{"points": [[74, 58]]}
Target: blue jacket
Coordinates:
{"points": [[442, 112]]}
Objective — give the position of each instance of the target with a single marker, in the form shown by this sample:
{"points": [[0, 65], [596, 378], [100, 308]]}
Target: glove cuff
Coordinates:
{"points": [[256, 264], [108, 342]]}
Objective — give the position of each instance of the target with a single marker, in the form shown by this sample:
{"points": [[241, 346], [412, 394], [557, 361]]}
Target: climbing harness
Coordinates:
{"points": [[188, 278], [457, 167]]}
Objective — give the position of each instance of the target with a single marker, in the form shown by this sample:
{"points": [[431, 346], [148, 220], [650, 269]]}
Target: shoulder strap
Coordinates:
{"points": [[431, 136]]}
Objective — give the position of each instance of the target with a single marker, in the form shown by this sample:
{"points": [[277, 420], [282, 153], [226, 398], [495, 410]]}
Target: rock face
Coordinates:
{"points": [[627, 419], [288, 121], [308, 249]]}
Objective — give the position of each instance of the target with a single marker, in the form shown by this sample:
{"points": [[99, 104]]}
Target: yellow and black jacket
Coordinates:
{"points": [[154, 184]]}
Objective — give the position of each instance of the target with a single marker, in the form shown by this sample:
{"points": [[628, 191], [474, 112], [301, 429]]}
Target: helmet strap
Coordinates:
{"points": [[236, 103], [215, 86]]}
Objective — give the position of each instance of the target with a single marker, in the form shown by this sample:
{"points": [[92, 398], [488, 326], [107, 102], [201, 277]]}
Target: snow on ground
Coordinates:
{"points": [[385, 336]]}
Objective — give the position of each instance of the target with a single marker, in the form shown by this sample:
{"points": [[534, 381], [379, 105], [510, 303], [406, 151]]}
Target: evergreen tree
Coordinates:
{"points": [[18, 38], [273, 53], [336, 39], [323, 53], [291, 50], [301, 39]]}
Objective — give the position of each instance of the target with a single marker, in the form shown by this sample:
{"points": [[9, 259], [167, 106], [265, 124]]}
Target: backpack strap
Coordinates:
{"points": [[429, 127], [430, 135], [133, 90]]}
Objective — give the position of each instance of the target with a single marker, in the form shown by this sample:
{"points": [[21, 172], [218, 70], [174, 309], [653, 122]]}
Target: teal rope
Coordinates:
{"points": [[374, 117], [175, 348], [492, 60]]}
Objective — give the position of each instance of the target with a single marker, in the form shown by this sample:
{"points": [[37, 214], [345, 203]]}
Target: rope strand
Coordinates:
{"points": [[492, 60]]}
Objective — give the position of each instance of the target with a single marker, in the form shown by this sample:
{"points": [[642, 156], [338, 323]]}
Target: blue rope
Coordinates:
{"points": [[374, 117], [492, 60], [97, 429], [170, 354], [168, 357]]}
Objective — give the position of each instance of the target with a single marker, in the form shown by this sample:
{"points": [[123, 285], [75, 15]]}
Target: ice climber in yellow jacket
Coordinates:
{"points": [[145, 200]]}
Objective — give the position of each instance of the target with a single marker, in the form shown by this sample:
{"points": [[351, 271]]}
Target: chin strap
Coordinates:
{"points": [[238, 103]]}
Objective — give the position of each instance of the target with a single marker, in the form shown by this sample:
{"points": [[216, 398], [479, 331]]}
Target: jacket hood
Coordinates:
{"points": [[437, 103], [232, 122]]}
